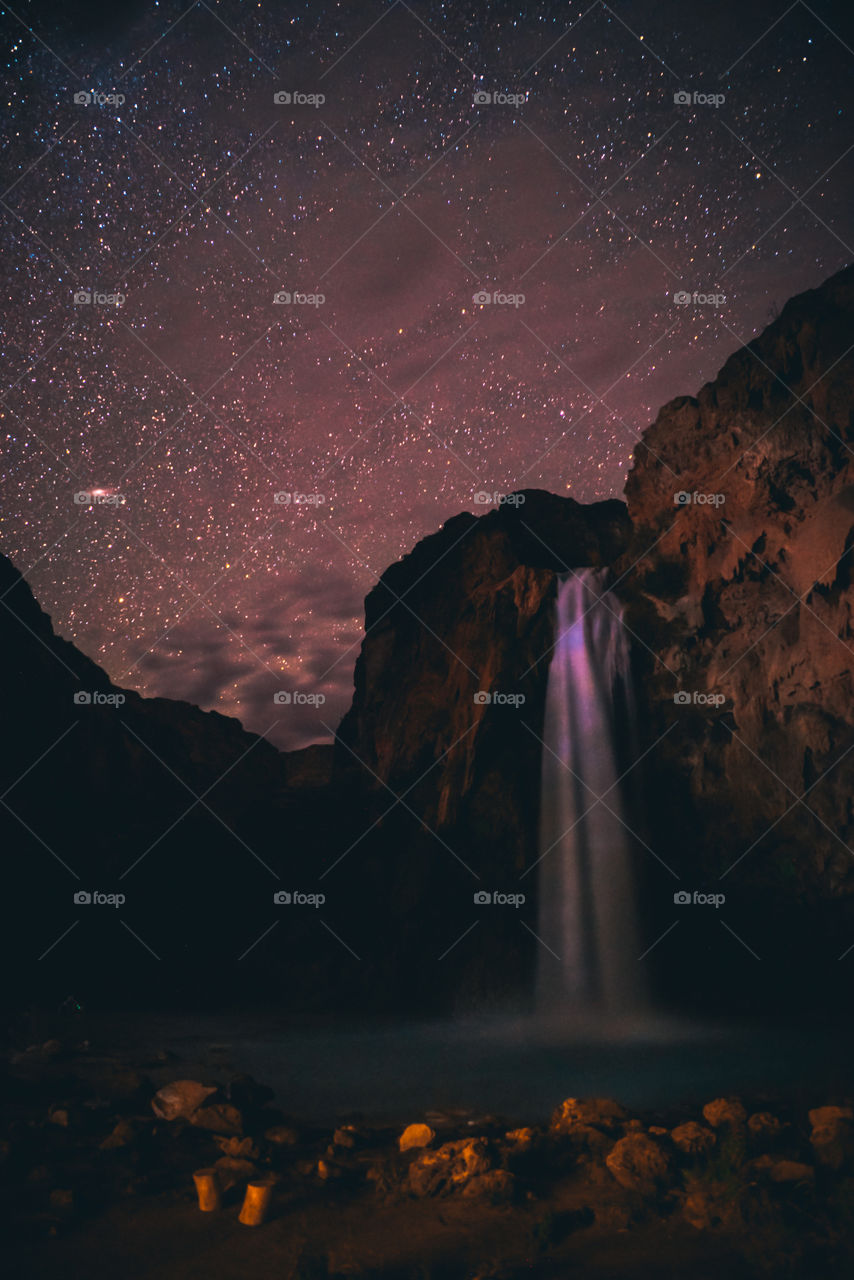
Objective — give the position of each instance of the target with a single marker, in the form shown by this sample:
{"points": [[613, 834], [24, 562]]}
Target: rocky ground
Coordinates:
{"points": [[98, 1164]]}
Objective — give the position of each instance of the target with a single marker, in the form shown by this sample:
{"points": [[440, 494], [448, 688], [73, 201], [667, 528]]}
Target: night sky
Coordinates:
{"points": [[396, 399]]}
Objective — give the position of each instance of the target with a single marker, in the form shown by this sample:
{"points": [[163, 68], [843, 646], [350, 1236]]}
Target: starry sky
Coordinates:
{"points": [[248, 467]]}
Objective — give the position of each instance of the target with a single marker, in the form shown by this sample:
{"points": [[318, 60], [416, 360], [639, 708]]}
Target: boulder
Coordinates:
{"points": [[692, 1139], [449, 1167], [234, 1172], [498, 1186], [416, 1135], [639, 1164], [220, 1117], [180, 1099], [725, 1111], [603, 1113], [832, 1135]]}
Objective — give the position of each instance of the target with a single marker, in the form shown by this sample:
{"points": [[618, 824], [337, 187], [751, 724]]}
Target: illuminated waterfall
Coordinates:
{"points": [[587, 895]]}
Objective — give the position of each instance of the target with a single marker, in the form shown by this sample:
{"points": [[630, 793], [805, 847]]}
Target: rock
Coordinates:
{"points": [[240, 1148], [247, 1094], [639, 1164], [348, 1136], [832, 1135], [790, 1171], [328, 1170], [765, 1129], [750, 601], [725, 1111], [180, 1099], [522, 1139], [693, 1139], [234, 1172], [416, 1135], [220, 1117], [62, 1199], [448, 1168], [58, 1115], [498, 1186], [708, 1207], [282, 1135], [603, 1113], [657, 1131], [123, 1135]]}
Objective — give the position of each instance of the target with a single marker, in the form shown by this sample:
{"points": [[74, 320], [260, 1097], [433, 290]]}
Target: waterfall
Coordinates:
{"points": [[587, 895]]}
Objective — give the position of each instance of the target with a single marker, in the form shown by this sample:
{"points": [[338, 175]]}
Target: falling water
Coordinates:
{"points": [[587, 913]]}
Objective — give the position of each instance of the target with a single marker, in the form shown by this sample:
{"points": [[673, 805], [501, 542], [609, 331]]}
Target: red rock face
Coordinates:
{"points": [[746, 595]]}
